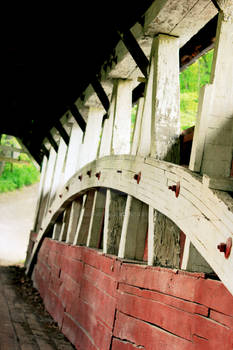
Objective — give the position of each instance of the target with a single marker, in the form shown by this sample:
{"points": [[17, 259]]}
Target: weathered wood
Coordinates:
{"points": [[192, 260], [60, 159], [106, 139], [134, 228], [73, 221], [84, 219], [73, 152], [78, 117], [137, 127], [57, 230], [46, 187], [213, 156], [40, 192], [113, 221], [89, 148], [135, 51], [205, 215], [97, 218], [101, 93], [166, 242], [122, 118], [223, 184], [65, 224]]}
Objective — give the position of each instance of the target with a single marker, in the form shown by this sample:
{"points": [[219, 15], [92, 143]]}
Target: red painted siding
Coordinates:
{"points": [[102, 303]]}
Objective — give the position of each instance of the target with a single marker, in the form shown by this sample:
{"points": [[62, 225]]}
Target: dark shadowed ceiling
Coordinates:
{"points": [[49, 55]]}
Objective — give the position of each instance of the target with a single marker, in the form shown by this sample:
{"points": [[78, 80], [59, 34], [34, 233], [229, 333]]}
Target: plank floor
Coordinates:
{"points": [[24, 325]]}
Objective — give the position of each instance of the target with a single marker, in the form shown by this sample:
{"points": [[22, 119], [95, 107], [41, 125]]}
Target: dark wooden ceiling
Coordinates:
{"points": [[50, 55]]}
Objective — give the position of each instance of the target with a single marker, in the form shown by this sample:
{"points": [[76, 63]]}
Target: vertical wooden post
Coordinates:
{"points": [[160, 121], [73, 222], [73, 152], [113, 221], [47, 185], [213, 136], [57, 230], [122, 120], [134, 228], [84, 219], [137, 127], [92, 136], [97, 217], [65, 224], [40, 192], [117, 127], [62, 148]]}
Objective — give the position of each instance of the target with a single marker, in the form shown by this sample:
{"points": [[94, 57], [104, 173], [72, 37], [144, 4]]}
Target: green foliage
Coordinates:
{"points": [[191, 79], [15, 176]]}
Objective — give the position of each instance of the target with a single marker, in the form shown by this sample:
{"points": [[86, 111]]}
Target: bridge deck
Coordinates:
{"points": [[24, 326]]}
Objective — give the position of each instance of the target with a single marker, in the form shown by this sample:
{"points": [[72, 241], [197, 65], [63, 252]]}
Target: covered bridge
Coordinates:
{"points": [[131, 245]]}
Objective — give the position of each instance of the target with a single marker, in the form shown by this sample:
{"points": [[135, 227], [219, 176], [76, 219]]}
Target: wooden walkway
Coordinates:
{"points": [[22, 327]]}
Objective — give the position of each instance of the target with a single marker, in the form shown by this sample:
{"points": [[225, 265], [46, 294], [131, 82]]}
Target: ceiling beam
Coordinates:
{"points": [[135, 50], [101, 93], [58, 125], [78, 117]]}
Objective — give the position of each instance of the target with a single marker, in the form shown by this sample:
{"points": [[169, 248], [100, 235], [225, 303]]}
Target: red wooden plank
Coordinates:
{"points": [[214, 295], [221, 318], [146, 335], [102, 303], [89, 320], [100, 280], [118, 344], [164, 280], [167, 317], [165, 299]]}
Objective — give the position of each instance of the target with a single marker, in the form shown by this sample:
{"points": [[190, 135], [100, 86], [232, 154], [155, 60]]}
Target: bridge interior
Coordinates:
{"points": [[117, 199]]}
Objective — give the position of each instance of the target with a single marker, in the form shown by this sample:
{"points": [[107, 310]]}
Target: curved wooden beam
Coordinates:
{"points": [[205, 215]]}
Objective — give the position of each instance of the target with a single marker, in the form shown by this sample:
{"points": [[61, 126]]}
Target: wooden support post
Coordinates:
{"points": [[134, 229], [73, 152], [193, 260], [62, 148], [137, 127], [113, 221], [97, 217], [40, 191], [73, 222], [90, 145], [160, 121], [122, 118], [84, 219], [57, 230], [213, 136], [65, 224], [47, 186], [106, 139]]}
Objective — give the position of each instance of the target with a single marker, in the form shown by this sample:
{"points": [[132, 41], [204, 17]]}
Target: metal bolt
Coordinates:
{"points": [[98, 175], [175, 188], [226, 247], [80, 177], [89, 173], [60, 195], [67, 188], [137, 177]]}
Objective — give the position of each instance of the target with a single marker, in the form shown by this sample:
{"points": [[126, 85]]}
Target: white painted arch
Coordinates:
{"points": [[205, 215]]}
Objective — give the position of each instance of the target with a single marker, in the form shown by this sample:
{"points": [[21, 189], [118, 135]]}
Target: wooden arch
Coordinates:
{"points": [[205, 215]]}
